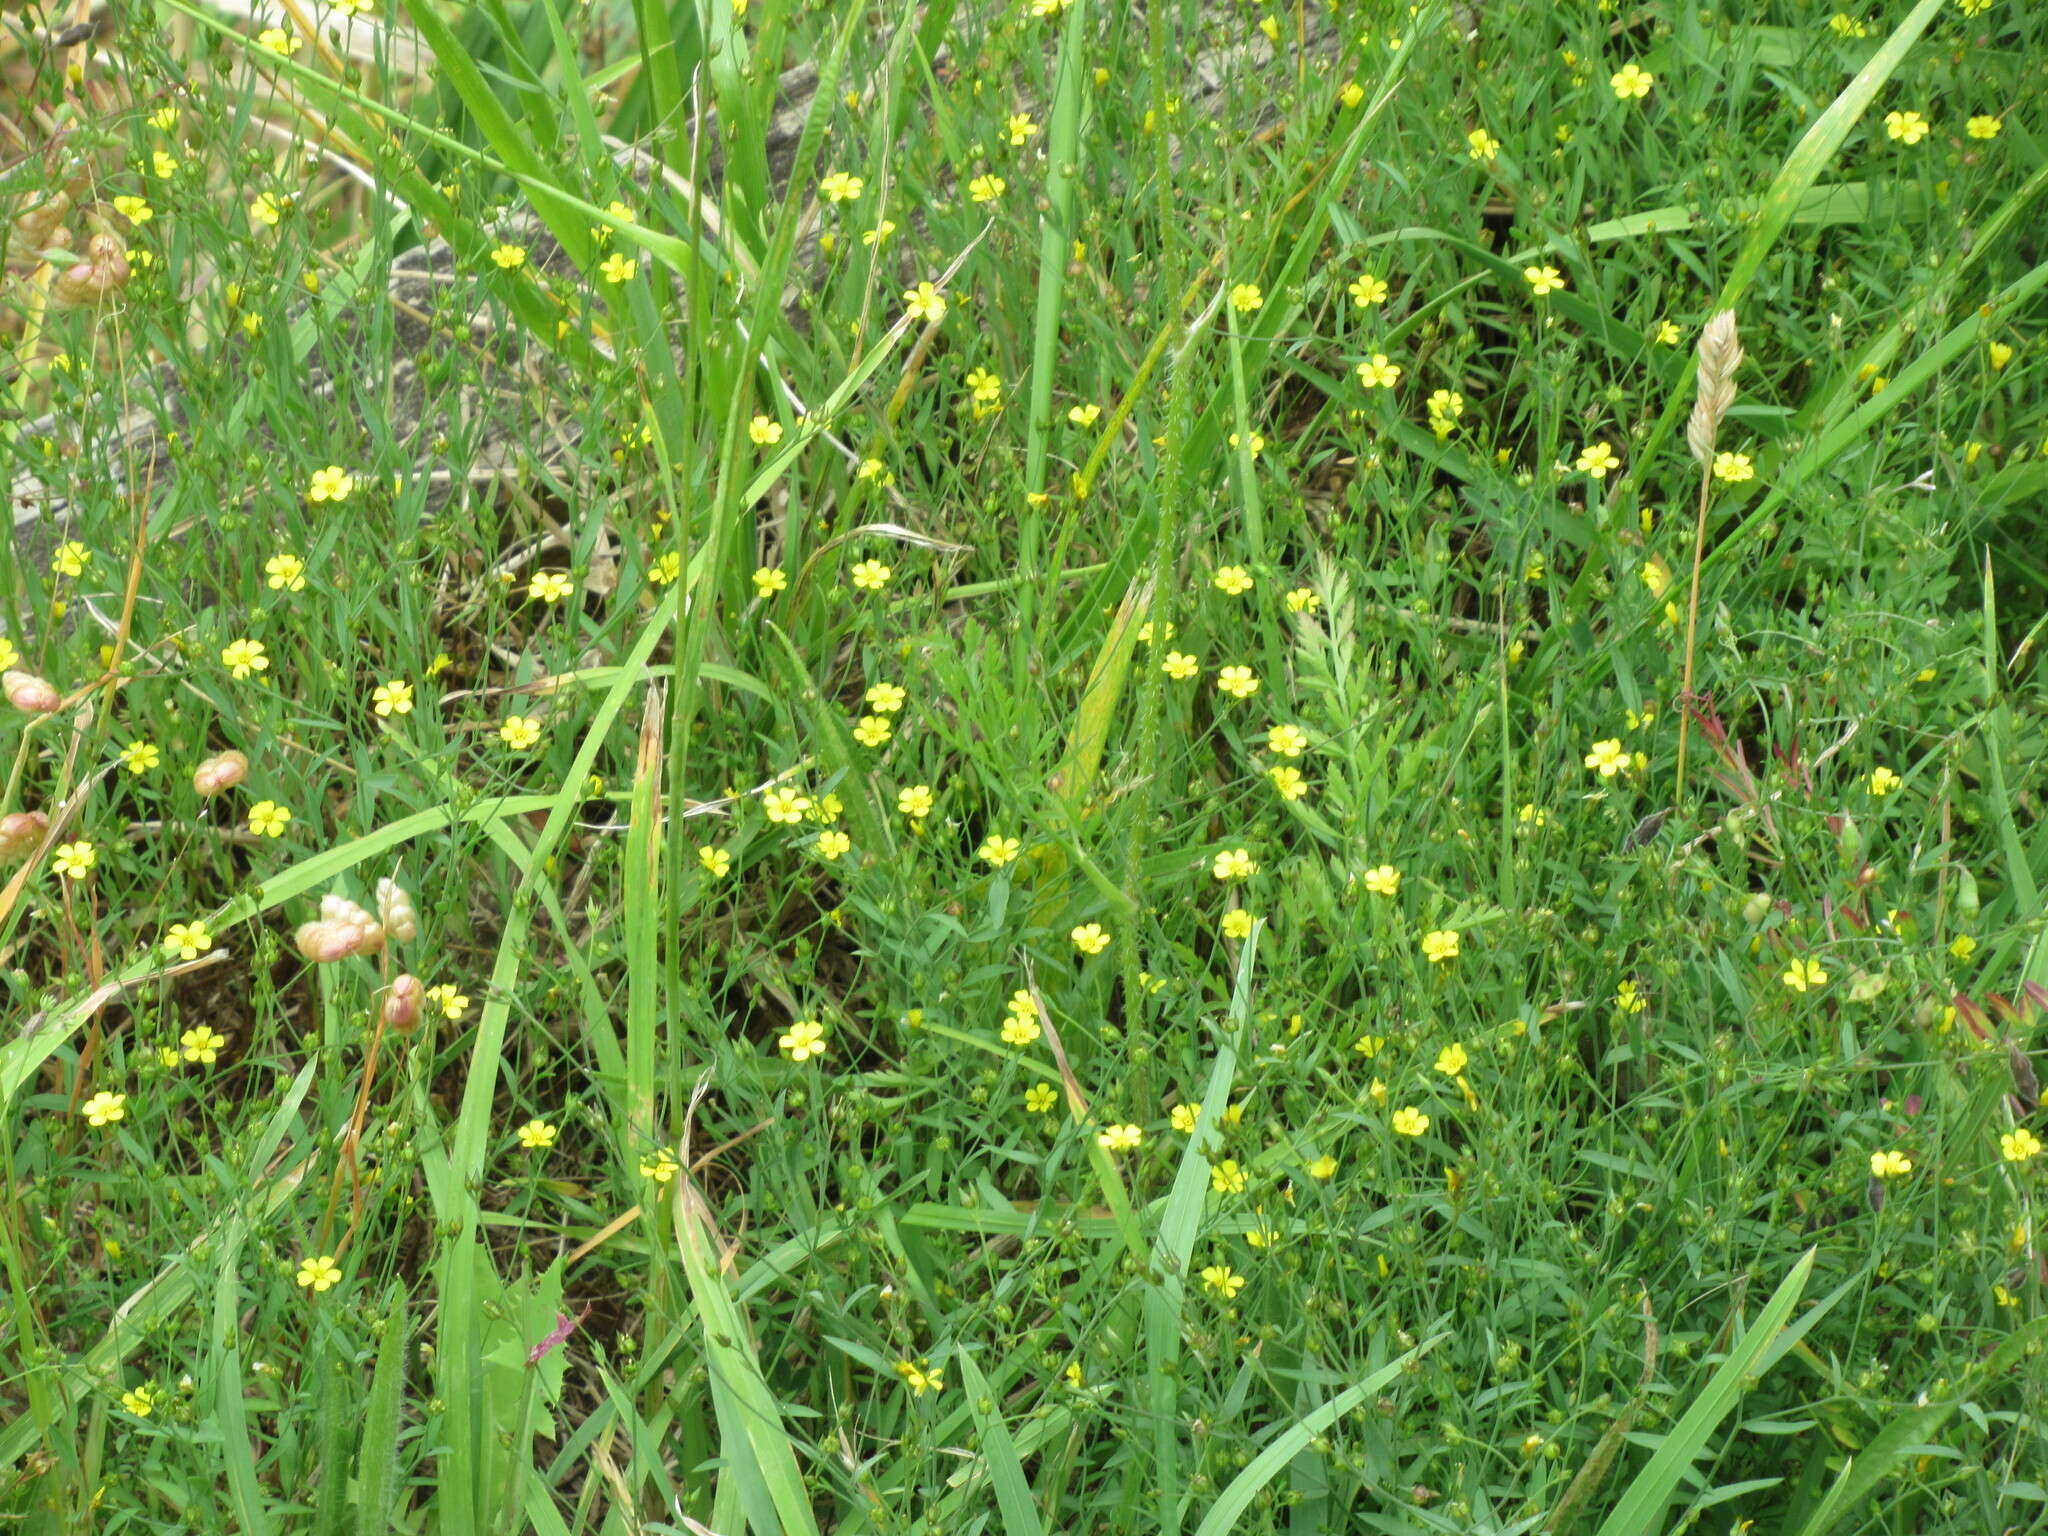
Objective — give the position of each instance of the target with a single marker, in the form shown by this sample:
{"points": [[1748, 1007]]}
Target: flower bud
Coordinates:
{"points": [[341, 912], [220, 773], [324, 943], [402, 1003], [395, 911], [21, 832], [29, 693], [104, 271]]}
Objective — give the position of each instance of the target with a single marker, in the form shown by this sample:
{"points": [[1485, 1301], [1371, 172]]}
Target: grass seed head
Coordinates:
{"points": [[1720, 354]]}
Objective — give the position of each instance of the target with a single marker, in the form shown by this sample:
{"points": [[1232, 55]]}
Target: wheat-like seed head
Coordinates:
{"points": [[1720, 354]]}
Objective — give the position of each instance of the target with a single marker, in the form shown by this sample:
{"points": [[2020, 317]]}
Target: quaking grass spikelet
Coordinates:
{"points": [[1720, 354]]}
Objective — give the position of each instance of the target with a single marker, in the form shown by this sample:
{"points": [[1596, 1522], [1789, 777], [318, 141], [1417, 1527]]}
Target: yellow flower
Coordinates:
{"points": [[920, 1378], [1607, 758], [1324, 1167], [330, 484], [786, 806], [277, 40], [1627, 999], [268, 819], [1040, 1098], [263, 210], [1221, 1280], [1119, 1138], [71, 558], [1890, 1165], [1351, 94], [1543, 281], [870, 575], [997, 850], [392, 698], [831, 844], [986, 188], [915, 801], [1238, 682], [141, 1401], [1733, 468], [202, 1045], [536, 1135], [924, 302], [1287, 740], [1804, 973], [1596, 459], [769, 580], [1234, 864], [1883, 781], [1237, 924], [453, 1004], [1019, 128], [1410, 1121], [1226, 1178], [1667, 333], [1090, 938], [1019, 1030], [135, 210], [1631, 82], [1180, 666], [2018, 1146], [285, 573], [1481, 145], [519, 732], [839, 187], [1962, 946], [1379, 373], [1368, 290], [1245, 297], [872, 730], [1232, 580], [104, 1109], [1984, 126], [1302, 600], [1383, 880], [73, 860], [509, 257], [764, 430], [1288, 781], [1439, 945], [321, 1274], [617, 268], [667, 569], [1905, 127], [715, 862], [803, 1040], [1452, 1060], [188, 941], [1084, 415], [549, 587], [660, 1166], [138, 757], [2000, 354]]}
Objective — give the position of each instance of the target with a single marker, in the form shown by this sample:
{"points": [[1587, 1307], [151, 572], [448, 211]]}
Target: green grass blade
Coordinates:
{"points": [[1005, 1468], [1055, 231], [377, 1458]]}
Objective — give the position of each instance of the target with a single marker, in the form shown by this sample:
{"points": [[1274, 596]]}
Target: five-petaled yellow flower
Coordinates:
{"points": [[1234, 864], [330, 484], [785, 805], [74, 859], [997, 850], [870, 575], [840, 187], [1607, 757], [1383, 880], [1596, 459], [519, 732], [1451, 1060], [549, 587], [268, 819], [1232, 580], [1379, 373], [321, 1274], [392, 698], [104, 1109], [202, 1045], [1906, 127], [1804, 973], [1368, 290], [1543, 281], [138, 757], [1245, 297], [242, 657], [285, 572], [1734, 468], [1481, 145], [915, 801], [617, 268], [508, 257], [2019, 1145], [537, 1135], [1221, 1280], [803, 1040], [1226, 1178], [1883, 781], [770, 579], [1631, 82], [1119, 1138], [924, 302], [1238, 682], [188, 941], [715, 862], [1439, 945], [1410, 1121], [1090, 938], [1890, 1164]]}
